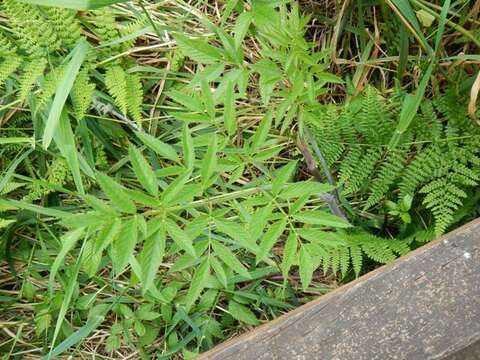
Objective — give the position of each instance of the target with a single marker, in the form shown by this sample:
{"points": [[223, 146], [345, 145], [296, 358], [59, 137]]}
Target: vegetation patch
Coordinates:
{"points": [[173, 173]]}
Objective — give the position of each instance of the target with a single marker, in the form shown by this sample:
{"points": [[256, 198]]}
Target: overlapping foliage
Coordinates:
{"points": [[172, 173]]}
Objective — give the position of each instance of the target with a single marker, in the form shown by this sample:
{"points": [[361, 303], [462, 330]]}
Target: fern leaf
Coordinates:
{"points": [[65, 25], [6, 46], [49, 86], [8, 66], [81, 94], [31, 72], [362, 170], [134, 99], [357, 259], [390, 169], [116, 82]]}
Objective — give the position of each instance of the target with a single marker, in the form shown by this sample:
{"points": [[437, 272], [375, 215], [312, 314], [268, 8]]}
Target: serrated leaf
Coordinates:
{"points": [[163, 149], [198, 50], [209, 163], [188, 148], [304, 188], [261, 133], [229, 114], [270, 238], [219, 271], [238, 233], [259, 220], [230, 259], [91, 218], [107, 234], [68, 242], [208, 98], [241, 28], [151, 258], [143, 170], [281, 176], [180, 238], [116, 193], [317, 217], [329, 78], [175, 187], [124, 245], [189, 101], [326, 238], [242, 313], [99, 205], [305, 267], [289, 253], [198, 283]]}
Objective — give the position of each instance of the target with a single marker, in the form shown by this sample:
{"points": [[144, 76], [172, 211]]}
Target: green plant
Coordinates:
{"points": [[160, 189], [432, 162]]}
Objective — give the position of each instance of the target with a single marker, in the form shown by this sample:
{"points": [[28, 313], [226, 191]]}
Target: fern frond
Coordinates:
{"points": [[357, 259], [349, 163], [65, 25], [8, 67], [6, 46], [32, 29], [325, 125], [116, 82], [418, 171], [362, 171], [11, 186], [374, 120], [443, 198], [129, 29], [134, 98], [105, 25], [389, 170], [31, 72], [81, 94], [48, 87]]}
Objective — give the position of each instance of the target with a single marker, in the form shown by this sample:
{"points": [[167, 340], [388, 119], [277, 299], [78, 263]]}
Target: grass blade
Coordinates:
{"points": [[63, 89]]}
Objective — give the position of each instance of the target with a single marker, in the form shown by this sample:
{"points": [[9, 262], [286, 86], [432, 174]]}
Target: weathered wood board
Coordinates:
{"points": [[425, 305]]}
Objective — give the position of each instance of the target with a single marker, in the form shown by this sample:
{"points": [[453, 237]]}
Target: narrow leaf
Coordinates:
{"points": [[151, 258], [163, 149], [197, 284], [63, 89], [229, 115], [270, 238], [229, 259], [198, 50], [143, 170], [124, 245], [289, 253], [317, 217], [242, 313], [305, 267], [68, 242], [181, 238], [209, 164], [261, 133], [116, 193]]}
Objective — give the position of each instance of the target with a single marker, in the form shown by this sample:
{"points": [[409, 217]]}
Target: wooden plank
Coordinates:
{"points": [[425, 305]]}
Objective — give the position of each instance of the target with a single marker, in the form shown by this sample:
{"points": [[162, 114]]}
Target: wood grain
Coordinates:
{"points": [[425, 305]]}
